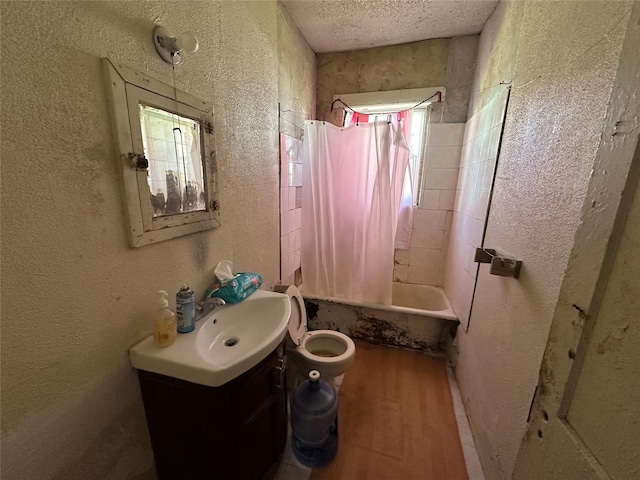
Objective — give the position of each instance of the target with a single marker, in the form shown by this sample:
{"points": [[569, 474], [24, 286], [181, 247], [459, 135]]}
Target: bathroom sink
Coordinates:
{"points": [[225, 343]]}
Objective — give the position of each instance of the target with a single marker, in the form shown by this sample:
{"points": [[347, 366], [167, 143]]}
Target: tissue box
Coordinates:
{"points": [[237, 289]]}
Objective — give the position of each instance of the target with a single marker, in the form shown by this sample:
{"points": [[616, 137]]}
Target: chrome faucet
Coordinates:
{"points": [[208, 306]]}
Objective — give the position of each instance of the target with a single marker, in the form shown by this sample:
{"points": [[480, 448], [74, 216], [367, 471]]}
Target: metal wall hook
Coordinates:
{"points": [[484, 255], [500, 265]]}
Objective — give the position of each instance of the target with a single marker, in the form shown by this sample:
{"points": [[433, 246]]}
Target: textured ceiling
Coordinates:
{"points": [[337, 25]]}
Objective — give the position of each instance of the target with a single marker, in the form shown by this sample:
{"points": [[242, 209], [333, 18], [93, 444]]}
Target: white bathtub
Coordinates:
{"points": [[420, 317], [423, 300]]}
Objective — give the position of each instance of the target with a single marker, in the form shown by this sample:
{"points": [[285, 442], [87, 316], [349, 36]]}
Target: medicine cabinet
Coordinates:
{"points": [[166, 152]]}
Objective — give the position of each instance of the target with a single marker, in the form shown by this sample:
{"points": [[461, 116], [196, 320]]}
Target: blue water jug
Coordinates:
{"points": [[314, 421]]}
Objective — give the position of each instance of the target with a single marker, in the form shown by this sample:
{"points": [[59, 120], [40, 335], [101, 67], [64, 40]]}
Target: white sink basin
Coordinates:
{"points": [[225, 344]]}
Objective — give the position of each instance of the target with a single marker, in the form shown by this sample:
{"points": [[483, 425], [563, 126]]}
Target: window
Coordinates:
{"points": [[416, 139], [165, 141], [379, 103]]}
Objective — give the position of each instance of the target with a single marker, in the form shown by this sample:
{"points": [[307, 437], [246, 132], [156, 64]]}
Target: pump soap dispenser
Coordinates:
{"points": [[165, 331]]}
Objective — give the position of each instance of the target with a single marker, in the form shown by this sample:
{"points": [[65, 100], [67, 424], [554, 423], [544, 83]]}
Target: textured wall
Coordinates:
{"points": [[297, 96], [297, 76], [430, 63], [75, 296], [562, 58]]}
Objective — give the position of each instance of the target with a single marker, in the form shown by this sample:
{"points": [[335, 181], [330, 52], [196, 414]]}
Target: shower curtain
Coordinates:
{"points": [[351, 193]]}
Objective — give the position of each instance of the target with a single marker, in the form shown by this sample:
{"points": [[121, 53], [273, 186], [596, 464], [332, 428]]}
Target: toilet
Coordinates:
{"points": [[327, 351]]}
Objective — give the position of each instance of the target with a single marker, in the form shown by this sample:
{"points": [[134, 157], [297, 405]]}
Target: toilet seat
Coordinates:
{"points": [[298, 317], [327, 351]]}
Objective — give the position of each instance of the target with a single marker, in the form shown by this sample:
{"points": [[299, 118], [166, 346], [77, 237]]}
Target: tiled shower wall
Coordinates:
{"points": [[290, 207], [424, 261], [477, 166]]}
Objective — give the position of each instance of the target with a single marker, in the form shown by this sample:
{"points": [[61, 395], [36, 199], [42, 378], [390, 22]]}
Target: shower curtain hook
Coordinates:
{"points": [[389, 118]]}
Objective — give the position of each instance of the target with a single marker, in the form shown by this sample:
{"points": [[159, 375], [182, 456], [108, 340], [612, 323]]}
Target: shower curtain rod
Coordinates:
{"points": [[437, 94]]}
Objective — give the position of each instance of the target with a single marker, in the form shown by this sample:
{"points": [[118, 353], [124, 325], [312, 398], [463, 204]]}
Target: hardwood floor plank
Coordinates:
{"points": [[396, 419]]}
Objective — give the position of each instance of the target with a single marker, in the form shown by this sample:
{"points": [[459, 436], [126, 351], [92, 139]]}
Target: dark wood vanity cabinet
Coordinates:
{"points": [[235, 431]]}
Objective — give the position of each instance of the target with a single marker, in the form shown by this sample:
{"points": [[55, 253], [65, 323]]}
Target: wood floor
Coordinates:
{"points": [[396, 420]]}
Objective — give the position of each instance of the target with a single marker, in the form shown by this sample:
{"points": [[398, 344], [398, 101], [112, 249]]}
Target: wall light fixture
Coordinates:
{"points": [[170, 47]]}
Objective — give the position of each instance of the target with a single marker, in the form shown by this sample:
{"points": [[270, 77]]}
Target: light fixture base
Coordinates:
{"points": [[164, 41]]}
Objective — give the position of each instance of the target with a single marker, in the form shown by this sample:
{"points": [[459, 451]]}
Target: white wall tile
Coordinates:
{"points": [[468, 254], [446, 134], [284, 256], [292, 221], [292, 198], [401, 273], [448, 220], [449, 179], [284, 247], [463, 177], [425, 256], [296, 260], [294, 240], [465, 154], [432, 178], [293, 265], [486, 139], [298, 197], [470, 130], [427, 239], [447, 238], [297, 219], [285, 178], [429, 219], [430, 200], [475, 176], [297, 175], [477, 149], [489, 170], [430, 274], [494, 141], [284, 222], [480, 204], [284, 199], [447, 199], [401, 257], [443, 157]]}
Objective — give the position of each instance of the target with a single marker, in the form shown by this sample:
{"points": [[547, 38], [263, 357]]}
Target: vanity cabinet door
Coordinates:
{"points": [[261, 403], [236, 431]]}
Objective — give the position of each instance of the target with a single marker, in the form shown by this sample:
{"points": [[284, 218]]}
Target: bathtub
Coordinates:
{"points": [[420, 317]]}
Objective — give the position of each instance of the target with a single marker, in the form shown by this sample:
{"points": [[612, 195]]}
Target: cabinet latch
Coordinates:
{"points": [[138, 161]]}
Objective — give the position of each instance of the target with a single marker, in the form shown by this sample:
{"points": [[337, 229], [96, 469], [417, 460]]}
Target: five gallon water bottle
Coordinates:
{"points": [[314, 421]]}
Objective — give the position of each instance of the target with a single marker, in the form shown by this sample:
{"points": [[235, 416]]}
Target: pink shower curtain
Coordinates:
{"points": [[352, 189], [405, 210]]}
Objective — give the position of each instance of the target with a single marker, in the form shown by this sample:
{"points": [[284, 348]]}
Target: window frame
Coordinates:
{"points": [[128, 88]]}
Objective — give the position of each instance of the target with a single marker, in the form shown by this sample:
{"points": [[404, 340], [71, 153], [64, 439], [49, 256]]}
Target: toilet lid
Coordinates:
{"points": [[298, 317]]}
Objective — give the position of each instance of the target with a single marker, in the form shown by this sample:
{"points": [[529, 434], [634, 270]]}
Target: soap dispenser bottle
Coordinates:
{"points": [[165, 331]]}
